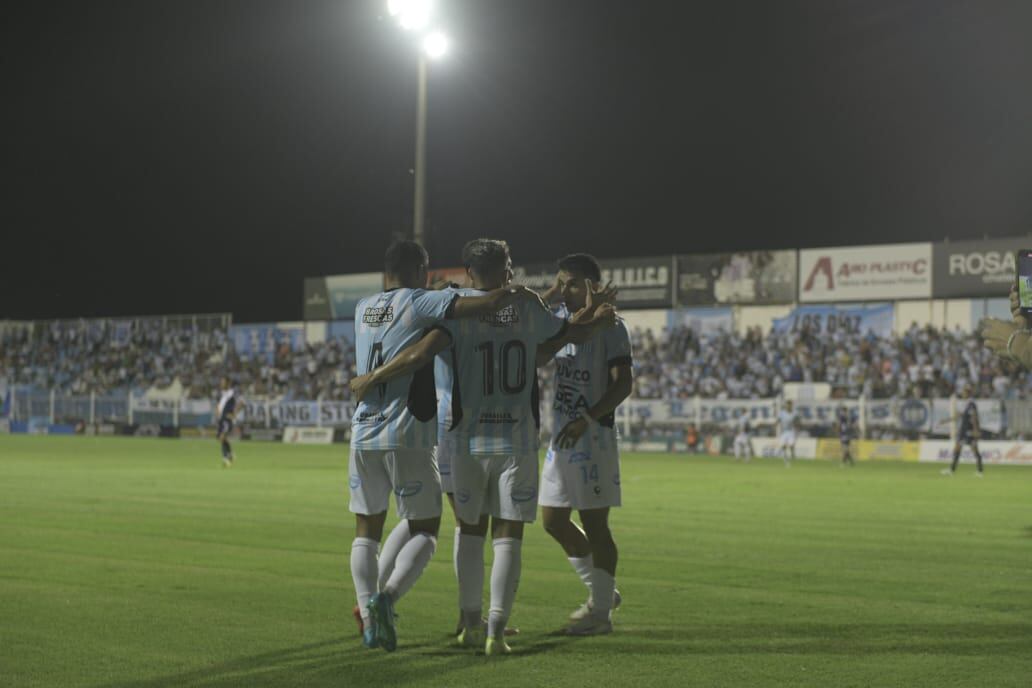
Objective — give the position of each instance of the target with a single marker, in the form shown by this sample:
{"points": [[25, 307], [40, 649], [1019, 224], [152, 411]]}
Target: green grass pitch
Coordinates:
{"points": [[140, 562]]}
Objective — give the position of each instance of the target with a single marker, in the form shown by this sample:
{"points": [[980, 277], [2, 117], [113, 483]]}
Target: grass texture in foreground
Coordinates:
{"points": [[140, 562]]}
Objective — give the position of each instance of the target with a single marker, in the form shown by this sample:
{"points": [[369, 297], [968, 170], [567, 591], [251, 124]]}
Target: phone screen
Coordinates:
{"points": [[1025, 279]]}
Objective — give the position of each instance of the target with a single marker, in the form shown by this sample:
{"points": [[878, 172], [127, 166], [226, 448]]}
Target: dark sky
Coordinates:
{"points": [[201, 156]]}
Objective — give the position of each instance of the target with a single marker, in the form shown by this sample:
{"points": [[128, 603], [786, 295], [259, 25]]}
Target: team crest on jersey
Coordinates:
{"points": [[377, 316], [506, 317]]}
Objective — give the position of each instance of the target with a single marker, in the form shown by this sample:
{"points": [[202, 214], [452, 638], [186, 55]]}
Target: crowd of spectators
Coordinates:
{"points": [[923, 362], [84, 357], [98, 357]]}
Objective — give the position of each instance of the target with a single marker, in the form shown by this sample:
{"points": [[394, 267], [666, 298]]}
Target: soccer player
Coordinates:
{"points": [[582, 467], [743, 439], [225, 413], [494, 425], [970, 431], [844, 421], [394, 433], [788, 423]]}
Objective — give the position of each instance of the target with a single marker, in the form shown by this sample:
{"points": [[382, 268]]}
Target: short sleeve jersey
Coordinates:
{"points": [[399, 413], [493, 399], [581, 378]]}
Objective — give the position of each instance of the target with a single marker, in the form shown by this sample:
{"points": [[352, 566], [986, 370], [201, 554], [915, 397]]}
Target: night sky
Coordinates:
{"points": [[204, 156]]}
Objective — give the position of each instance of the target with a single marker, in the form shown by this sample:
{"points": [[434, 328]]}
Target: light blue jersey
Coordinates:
{"points": [[582, 377], [494, 404], [399, 413]]}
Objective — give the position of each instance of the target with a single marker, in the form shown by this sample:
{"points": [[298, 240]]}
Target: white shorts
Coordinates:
{"points": [[579, 480], [787, 439], [411, 474], [503, 486], [446, 446], [742, 441]]}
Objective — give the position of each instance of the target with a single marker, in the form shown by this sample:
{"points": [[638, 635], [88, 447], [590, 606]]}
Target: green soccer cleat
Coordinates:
{"points": [[381, 613], [471, 637], [496, 646]]}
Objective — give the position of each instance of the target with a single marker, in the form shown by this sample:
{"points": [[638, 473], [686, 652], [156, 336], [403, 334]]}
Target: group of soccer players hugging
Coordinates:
{"points": [[447, 402]]}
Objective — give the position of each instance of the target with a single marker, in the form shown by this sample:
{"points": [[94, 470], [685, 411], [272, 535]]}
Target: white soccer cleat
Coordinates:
{"points": [[590, 625], [946, 471], [978, 474], [585, 609]]}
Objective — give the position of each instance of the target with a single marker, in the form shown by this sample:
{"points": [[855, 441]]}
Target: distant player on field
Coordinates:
{"points": [[494, 426], [970, 431], [394, 431], [582, 467], [225, 414], [743, 439], [844, 423], [788, 424]]}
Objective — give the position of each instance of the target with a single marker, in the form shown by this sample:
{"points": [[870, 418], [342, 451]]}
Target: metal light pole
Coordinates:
{"points": [[419, 209], [417, 15]]}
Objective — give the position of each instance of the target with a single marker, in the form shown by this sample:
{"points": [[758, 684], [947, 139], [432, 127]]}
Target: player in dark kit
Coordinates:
{"points": [[225, 414], [844, 421], [970, 431]]}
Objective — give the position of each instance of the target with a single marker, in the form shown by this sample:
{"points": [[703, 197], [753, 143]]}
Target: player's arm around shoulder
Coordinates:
{"points": [[409, 360], [490, 302]]}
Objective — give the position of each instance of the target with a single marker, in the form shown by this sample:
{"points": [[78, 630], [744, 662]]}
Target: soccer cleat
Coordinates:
{"points": [[508, 631], [381, 614], [369, 638], [590, 625], [585, 609], [979, 474], [471, 637], [496, 646], [946, 471]]}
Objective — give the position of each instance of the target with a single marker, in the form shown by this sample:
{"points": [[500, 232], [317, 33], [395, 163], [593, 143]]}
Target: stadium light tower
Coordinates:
{"points": [[417, 16]]}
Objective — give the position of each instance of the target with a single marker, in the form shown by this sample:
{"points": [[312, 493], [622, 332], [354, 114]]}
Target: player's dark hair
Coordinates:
{"points": [[404, 257], [583, 264], [485, 256]]}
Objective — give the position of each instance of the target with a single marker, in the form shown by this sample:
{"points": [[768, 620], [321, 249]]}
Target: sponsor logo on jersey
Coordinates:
{"points": [[371, 418], [375, 316], [506, 317], [566, 372], [497, 418], [579, 457]]}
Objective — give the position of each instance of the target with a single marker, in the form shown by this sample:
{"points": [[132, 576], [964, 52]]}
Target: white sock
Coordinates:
{"points": [[363, 572], [469, 568], [412, 559], [505, 578], [604, 586], [583, 566], [391, 546]]}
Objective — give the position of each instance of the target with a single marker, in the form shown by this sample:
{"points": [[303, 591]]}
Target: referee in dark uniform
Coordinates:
{"points": [[226, 413], [970, 431]]}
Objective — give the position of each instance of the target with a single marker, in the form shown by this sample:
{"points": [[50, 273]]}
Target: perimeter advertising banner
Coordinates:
{"points": [[866, 273], [877, 318], [336, 296], [755, 277], [643, 282], [969, 269]]}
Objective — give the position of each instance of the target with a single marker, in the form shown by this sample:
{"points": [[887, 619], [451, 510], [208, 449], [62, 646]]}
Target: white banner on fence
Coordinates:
{"points": [[866, 273], [990, 414], [993, 452], [295, 435], [805, 447], [298, 412], [197, 407], [686, 411]]}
